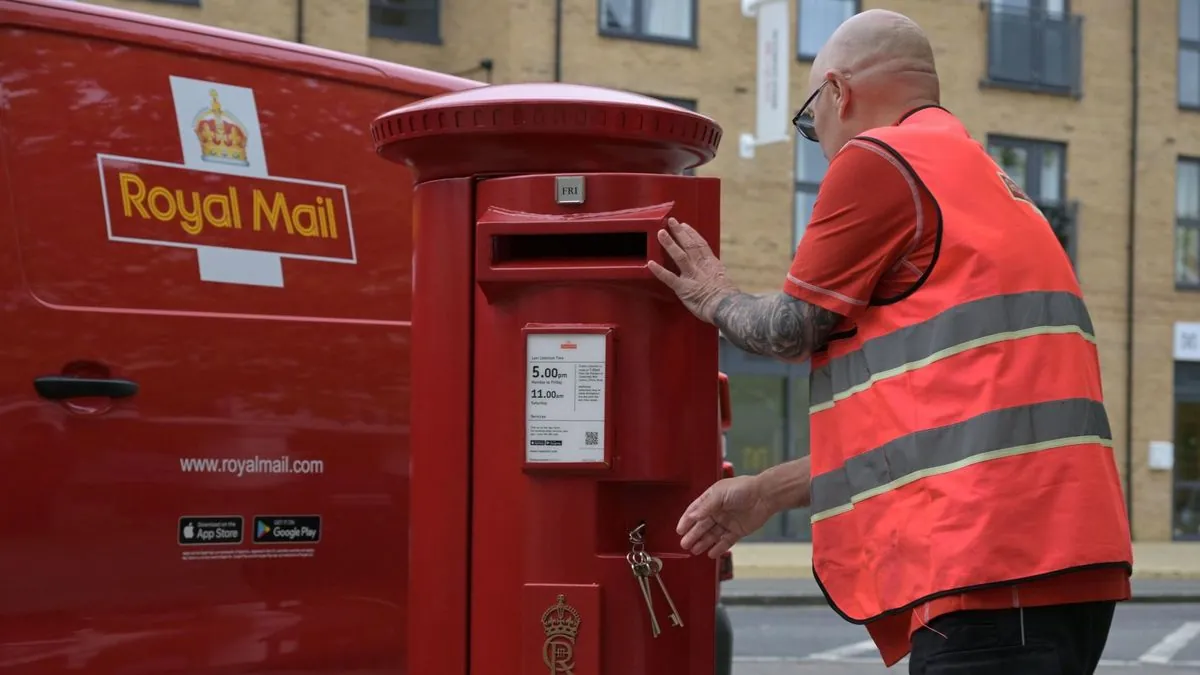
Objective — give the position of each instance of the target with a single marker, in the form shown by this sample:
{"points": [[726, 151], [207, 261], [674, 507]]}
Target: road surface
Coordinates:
{"points": [[1146, 639]]}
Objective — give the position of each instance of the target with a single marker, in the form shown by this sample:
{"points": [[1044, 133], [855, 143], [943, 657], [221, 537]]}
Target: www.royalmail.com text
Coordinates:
{"points": [[250, 465]]}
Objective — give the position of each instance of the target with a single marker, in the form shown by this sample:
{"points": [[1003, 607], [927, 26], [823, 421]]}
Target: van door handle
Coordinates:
{"points": [[59, 387]]}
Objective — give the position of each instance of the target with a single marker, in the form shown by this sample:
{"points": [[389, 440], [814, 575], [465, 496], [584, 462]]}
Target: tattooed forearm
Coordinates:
{"points": [[775, 325]]}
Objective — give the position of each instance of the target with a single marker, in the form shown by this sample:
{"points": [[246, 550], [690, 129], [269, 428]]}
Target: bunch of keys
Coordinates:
{"points": [[645, 566]]}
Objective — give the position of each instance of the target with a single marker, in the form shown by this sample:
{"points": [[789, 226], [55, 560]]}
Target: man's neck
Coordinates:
{"points": [[915, 107]]}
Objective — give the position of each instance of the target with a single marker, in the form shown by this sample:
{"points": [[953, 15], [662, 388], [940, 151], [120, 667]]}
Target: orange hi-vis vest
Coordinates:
{"points": [[959, 437]]}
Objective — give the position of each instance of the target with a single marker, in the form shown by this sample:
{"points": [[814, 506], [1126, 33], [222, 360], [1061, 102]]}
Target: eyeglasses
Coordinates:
{"points": [[803, 121]]}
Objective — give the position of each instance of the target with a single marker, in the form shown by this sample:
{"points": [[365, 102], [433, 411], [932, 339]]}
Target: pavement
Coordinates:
{"points": [[781, 574], [1162, 639]]}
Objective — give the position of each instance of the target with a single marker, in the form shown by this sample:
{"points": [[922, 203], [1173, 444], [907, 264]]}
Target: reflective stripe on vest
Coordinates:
{"points": [[992, 435], [967, 326], [1001, 433]]}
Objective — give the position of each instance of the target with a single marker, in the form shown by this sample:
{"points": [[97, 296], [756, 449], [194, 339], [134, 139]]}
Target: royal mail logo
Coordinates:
{"points": [[222, 137], [222, 201], [568, 345]]}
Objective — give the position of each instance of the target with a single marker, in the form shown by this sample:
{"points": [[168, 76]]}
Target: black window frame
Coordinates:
{"points": [[1185, 45], [805, 186], [1181, 223], [1062, 215], [685, 103], [638, 8], [801, 56], [1038, 17], [425, 34]]}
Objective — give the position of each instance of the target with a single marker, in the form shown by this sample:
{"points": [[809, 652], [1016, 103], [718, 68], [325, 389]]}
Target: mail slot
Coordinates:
{"points": [[540, 248]]}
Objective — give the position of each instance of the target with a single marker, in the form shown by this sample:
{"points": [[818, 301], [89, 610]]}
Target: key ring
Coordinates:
{"points": [[636, 536], [637, 554]]}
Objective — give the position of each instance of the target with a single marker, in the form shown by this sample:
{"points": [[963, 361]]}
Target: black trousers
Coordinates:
{"points": [[1052, 640]]}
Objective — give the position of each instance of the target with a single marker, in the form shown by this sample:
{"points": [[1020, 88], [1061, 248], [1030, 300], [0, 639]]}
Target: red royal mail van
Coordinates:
{"points": [[205, 280]]}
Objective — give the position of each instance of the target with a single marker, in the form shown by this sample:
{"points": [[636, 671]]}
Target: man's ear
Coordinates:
{"points": [[843, 95]]}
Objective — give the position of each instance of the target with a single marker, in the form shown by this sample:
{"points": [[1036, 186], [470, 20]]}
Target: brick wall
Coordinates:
{"points": [[757, 199]]}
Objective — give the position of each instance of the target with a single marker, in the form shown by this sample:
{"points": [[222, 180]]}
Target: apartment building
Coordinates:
{"points": [[1092, 106]]}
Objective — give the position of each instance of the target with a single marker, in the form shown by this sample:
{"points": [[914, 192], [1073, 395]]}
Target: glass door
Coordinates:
{"points": [[755, 443], [770, 426], [1186, 492], [796, 524], [1187, 470]]}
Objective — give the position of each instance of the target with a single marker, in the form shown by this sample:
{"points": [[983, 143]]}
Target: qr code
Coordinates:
{"points": [[591, 438]]}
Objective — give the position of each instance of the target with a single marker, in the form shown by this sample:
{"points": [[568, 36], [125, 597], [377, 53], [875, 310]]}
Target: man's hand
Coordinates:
{"points": [[729, 510], [701, 283]]}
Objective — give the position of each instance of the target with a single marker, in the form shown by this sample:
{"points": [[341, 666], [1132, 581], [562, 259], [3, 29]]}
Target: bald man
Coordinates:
{"points": [[965, 502]]}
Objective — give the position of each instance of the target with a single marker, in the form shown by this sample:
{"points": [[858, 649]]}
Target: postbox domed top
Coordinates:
{"points": [[543, 128]]}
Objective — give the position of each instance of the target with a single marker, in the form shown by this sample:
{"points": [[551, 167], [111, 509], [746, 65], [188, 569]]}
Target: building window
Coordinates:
{"points": [[407, 20], [671, 21], [810, 169], [1035, 45], [686, 104], [1039, 168], [815, 22], [1189, 53], [770, 426], [1187, 223]]}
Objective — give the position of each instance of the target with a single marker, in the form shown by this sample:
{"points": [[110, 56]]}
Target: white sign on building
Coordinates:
{"points": [[774, 58], [1187, 341]]}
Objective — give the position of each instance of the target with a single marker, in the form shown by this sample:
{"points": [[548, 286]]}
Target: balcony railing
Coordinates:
{"points": [[1035, 50], [1063, 218]]}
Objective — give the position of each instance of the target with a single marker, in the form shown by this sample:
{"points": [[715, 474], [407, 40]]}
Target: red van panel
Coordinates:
{"points": [[200, 213]]}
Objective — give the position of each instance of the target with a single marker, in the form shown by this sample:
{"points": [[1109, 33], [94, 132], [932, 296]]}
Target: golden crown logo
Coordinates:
{"points": [[561, 619], [222, 136], [561, 624]]}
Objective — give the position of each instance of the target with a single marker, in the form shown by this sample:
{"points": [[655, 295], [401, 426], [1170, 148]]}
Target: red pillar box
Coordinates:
{"points": [[562, 396]]}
